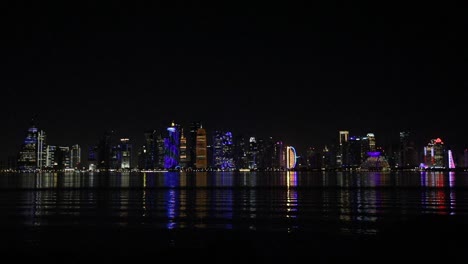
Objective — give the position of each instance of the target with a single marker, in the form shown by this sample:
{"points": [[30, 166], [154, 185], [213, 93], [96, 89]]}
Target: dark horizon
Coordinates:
{"points": [[299, 73]]}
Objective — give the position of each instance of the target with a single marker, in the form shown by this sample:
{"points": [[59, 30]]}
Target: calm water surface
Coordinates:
{"points": [[352, 201], [334, 203]]}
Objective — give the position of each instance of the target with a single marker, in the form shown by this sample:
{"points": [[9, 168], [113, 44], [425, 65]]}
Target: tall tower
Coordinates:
{"points": [[434, 154], [183, 150], [341, 155], [75, 156], [201, 161], [371, 138], [125, 153], [32, 154], [291, 157], [192, 144], [171, 147]]}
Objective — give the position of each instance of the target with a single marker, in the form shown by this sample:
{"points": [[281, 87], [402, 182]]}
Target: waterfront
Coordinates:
{"points": [[331, 215]]}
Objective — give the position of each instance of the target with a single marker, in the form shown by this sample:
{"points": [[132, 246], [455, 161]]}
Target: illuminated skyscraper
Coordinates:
{"points": [[183, 150], [371, 138], [192, 144], [252, 153], [75, 157], [201, 151], [32, 154], [434, 154], [124, 155], [291, 158], [223, 150], [171, 147], [341, 155]]}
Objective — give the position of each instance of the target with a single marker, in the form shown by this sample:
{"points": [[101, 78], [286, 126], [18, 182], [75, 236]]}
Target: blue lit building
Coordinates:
{"points": [[172, 147], [223, 150], [32, 154]]}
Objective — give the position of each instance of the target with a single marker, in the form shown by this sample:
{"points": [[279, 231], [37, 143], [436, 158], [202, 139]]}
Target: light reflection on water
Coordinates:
{"points": [[349, 201]]}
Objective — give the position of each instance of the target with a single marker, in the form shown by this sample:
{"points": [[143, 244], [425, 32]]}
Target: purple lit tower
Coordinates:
{"points": [[171, 147]]}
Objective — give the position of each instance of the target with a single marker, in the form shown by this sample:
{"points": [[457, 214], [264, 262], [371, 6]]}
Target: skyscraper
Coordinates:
{"points": [[125, 154], [32, 154], [75, 156], [223, 150], [192, 144], [291, 157], [171, 147], [183, 150], [201, 151]]}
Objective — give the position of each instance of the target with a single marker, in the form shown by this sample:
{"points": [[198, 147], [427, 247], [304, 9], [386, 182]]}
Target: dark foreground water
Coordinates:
{"points": [[322, 217]]}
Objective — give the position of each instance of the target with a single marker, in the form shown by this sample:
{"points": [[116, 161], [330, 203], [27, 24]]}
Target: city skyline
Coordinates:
{"points": [[169, 148], [299, 73]]}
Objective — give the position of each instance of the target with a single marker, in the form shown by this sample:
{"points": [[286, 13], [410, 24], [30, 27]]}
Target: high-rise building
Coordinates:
{"points": [[105, 151], [192, 144], [148, 155], [32, 154], [172, 147], [75, 156], [252, 153], [240, 153], [50, 156], [291, 157], [371, 138], [434, 154], [280, 160], [341, 154], [223, 150], [183, 150], [201, 149], [125, 153]]}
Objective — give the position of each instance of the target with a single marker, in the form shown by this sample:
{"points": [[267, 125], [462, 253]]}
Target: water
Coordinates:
{"points": [[267, 214]]}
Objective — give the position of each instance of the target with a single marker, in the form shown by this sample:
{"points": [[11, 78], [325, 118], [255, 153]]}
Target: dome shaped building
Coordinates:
{"points": [[375, 162]]}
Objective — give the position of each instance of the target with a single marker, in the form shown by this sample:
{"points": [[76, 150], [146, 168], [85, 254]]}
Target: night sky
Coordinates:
{"points": [[299, 73]]}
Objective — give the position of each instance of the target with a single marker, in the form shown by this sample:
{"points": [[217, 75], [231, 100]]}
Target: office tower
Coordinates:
{"points": [[280, 156], [341, 154], [75, 156], [183, 150], [252, 153], [50, 156], [171, 147], [124, 155], [192, 144], [62, 158], [371, 140], [32, 154], [291, 157], [201, 149], [312, 158], [148, 154], [343, 136], [240, 153], [105, 151], [434, 154], [451, 162], [223, 150]]}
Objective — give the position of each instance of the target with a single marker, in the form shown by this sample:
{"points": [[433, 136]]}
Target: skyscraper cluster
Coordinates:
{"points": [[169, 148], [36, 154]]}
